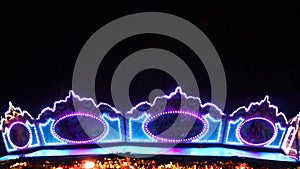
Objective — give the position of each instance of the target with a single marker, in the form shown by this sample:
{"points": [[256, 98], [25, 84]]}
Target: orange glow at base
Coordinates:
{"points": [[88, 165]]}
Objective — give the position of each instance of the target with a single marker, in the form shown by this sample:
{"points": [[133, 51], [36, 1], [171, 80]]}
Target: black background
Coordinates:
{"points": [[257, 44]]}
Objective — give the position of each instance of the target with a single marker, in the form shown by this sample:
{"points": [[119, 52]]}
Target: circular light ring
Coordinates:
{"points": [[204, 129], [105, 130], [259, 144], [29, 131]]}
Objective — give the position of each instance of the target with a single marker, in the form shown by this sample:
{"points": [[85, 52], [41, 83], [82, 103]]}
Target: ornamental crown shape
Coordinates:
{"points": [[174, 118]]}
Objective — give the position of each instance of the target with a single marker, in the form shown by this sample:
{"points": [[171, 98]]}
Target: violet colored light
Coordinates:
{"points": [[146, 127], [12, 140], [80, 141]]}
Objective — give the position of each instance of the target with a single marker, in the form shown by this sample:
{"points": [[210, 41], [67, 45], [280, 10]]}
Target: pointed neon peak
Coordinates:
{"points": [[178, 90], [71, 93], [10, 104], [267, 98], [184, 96], [294, 119]]}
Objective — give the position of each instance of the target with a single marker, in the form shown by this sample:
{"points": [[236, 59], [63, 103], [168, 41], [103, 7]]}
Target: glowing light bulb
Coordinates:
{"points": [[88, 165]]}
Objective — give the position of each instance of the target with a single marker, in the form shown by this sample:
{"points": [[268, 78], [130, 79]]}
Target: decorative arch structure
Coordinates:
{"points": [[170, 119]]}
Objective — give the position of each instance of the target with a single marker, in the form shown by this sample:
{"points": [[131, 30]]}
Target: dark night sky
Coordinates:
{"points": [[258, 46]]}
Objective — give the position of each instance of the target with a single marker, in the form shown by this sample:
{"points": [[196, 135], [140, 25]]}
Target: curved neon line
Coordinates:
{"points": [[80, 142], [204, 129], [72, 94], [11, 106], [247, 109], [177, 90], [30, 136], [259, 144]]}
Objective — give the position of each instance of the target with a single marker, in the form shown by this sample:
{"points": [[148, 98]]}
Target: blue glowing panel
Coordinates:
{"points": [[259, 125], [18, 130], [78, 120], [175, 118], [139, 151], [9, 157], [214, 130], [115, 129], [136, 130], [48, 137]]}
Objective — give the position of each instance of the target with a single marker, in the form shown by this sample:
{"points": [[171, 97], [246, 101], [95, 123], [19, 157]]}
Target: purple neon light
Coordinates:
{"points": [[80, 141], [258, 104], [178, 90], [204, 129], [29, 140], [185, 97], [72, 94], [260, 144]]}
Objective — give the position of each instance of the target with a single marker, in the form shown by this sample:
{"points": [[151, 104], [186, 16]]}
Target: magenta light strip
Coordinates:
{"points": [[260, 144], [175, 140], [80, 141]]}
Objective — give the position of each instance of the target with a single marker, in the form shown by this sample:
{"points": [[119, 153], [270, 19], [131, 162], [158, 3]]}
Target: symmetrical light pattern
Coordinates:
{"points": [[209, 114], [18, 130], [262, 116], [178, 139], [107, 122], [90, 140], [267, 140], [186, 151], [208, 125], [18, 135], [31, 141]]}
